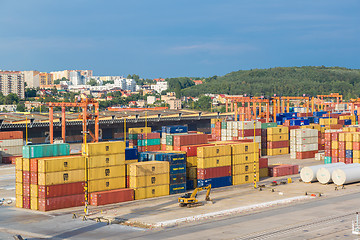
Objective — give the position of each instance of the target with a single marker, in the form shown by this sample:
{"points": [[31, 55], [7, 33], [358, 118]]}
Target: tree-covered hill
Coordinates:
{"points": [[285, 81]]}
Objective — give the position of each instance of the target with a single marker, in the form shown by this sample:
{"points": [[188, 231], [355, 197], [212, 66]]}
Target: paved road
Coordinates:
{"points": [[328, 218]]}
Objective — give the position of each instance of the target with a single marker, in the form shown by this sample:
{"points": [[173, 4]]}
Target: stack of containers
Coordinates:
{"points": [[328, 148], [356, 147], [148, 142], [189, 139], [167, 135], [245, 163], [216, 129], [303, 143], [278, 141], [264, 127], [283, 170], [11, 144], [214, 166], [334, 146], [263, 167], [131, 156], [352, 119], [106, 165], [133, 134], [149, 179]]}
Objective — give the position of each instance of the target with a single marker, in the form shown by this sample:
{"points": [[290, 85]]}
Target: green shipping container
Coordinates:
{"points": [[132, 136], [46, 150], [327, 160], [169, 140], [268, 125], [223, 125], [150, 142]]}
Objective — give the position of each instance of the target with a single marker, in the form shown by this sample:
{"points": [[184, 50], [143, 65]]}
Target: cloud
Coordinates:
{"points": [[212, 48]]}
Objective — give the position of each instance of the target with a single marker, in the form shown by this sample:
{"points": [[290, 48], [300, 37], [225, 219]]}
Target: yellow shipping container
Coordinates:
{"points": [[18, 176], [356, 154], [350, 129], [54, 178], [277, 151], [18, 188], [107, 160], [106, 172], [334, 145], [328, 121], [131, 161], [323, 129], [149, 181], [139, 130], [356, 137], [349, 145], [191, 173], [150, 192], [242, 148], [61, 164], [127, 162], [34, 190], [191, 161], [245, 158], [106, 184], [263, 172], [356, 160], [26, 164], [169, 148], [244, 178], [277, 137], [349, 137], [277, 130], [213, 151], [214, 162], [148, 168], [104, 148], [34, 203], [19, 163], [342, 137], [19, 201], [245, 168]]}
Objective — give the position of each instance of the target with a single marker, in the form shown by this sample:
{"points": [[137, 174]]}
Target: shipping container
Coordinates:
{"points": [[245, 158], [214, 162], [191, 139], [34, 203], [106, 172], [59, 190], [103, 148], [54, 178], [19, 201], [139, 130], [46, 150], [191, 161], [215, 182], [150, 192], [263, 172], [205, 173], [191, 150], [148, 168], [242, 148], [177, 188], [19, 163], [178, 178], [106, 184], [48, 204], [112, 196], [213, 151], [178, 169], [245, 168], [191, 173], [131, 153], [245, 178], [60, 164], [149, 180], [106, 160]]}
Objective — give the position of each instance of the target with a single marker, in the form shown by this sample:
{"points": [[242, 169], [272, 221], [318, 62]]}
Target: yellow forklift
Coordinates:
{"points": [[189, 199]]}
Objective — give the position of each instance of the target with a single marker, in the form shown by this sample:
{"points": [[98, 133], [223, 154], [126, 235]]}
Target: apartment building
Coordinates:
{"points": [[32, 79], [12, 82], [46, 79]]}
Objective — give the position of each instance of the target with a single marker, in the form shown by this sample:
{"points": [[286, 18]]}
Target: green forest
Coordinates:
{"points": [[283, 81]]}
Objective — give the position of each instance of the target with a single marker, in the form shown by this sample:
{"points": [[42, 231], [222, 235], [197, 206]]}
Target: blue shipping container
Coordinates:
{"points": [[349, 154], [190, 184], [131, 153], [177, 169], [347, 122], [176, 158], [176, 129], [177, 188], [178, 178], [299, 122], [319, 114], [143, 156], [215, 182]]}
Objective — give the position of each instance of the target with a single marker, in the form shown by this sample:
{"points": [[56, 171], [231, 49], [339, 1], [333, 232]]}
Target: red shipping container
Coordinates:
{"points": [[33, 165], [335, 136], [113, 196], [249, 132], [127, 181], [342, 145], [328, 136], [341, 122], [321, 146], [4, 135], [26, 177], [206, 173], [163, 146], [149, 148], [348, 160], [356, 145], [304, 155], [293, 127], [142, 136], [334, 159], [327, 153], [61, 190], [281, 170], [47, 204], [334, 153], [279, 144], [287, 123], [9, 159], [190, 139], [342, 159], [26, 202], [191, 150], [263, 163], [218, 125], [26, 189], [327, 145], [336, 126], [34, 178], [342, 153]]}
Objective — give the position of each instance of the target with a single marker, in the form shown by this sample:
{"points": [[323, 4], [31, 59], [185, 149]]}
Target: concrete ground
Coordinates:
{"points": [[228, 217]]}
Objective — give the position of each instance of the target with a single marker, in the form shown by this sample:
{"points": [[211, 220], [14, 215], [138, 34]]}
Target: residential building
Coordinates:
{"points": [[76, 78], [12, 82], [197, 82], [141, 103], [151, 99], [174, 104], [61, 74], [30, 105], [160, 86], [8, 108], [32, 79], [46, 79], [168, 96]]}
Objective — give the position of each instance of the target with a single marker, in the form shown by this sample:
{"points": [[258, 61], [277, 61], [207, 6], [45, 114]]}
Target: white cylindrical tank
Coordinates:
{"points": [[343, 176], [308, 174], [323, 175]]}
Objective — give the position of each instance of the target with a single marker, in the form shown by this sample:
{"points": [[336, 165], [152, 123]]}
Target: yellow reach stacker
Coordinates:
{"points": [[189, 199]]}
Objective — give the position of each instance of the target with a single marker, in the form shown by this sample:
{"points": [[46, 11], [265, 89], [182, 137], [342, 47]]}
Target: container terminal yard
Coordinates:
{"points": [[285, 167]]}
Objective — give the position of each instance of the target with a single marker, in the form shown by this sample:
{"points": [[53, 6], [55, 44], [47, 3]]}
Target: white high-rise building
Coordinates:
{"points": [[32, 79], [160, 86], [12, 82], [76, 78]]}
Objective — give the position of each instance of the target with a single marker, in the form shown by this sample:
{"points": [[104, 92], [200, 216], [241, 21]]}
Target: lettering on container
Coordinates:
{"points": [[107, 172], [65, 164], [153, 179], [66, 176]]}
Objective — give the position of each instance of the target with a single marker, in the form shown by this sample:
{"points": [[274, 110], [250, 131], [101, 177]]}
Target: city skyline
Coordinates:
{"points": [[171, 39]]}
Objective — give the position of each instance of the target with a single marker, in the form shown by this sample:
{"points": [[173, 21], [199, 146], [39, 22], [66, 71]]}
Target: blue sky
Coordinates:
{"points": [[163, 38]]}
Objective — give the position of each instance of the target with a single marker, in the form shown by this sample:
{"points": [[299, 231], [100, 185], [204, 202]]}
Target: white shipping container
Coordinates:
{"points": [[306, 147], [223, 132], [14, 151], [320, 156], [229, 138], [163, 141], [246, 125], [11, 142], [228, 133], [223, 138], [235, 133], [293, 155], [307, 140], [258, 139]]}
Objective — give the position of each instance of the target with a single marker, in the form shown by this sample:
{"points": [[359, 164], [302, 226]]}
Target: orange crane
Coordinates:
{"points": [[84, 103], [339, 99]]}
